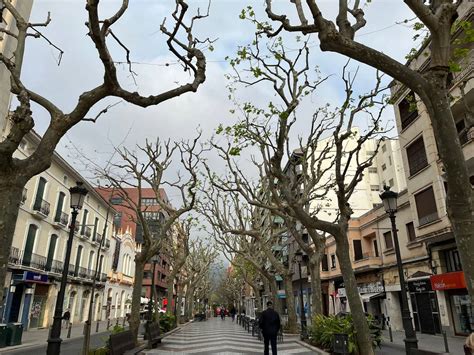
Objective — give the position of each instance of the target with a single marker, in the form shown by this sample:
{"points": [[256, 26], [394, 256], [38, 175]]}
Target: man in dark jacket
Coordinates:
{"points": [[270, 324]]}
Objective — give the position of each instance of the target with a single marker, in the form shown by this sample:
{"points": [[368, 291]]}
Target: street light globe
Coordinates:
{"points": [[78, 194], [389, 199]]}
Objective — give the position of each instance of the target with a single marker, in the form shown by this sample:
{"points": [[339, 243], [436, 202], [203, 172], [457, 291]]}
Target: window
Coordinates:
{"points": [[374, 187], [78, 259], [324, 263], [30, 243], [149, 201], [116, 200], [357, 249], [416, 155], [411, 231], [84, 221], [96, 223], [384, 167], [376, 248], [333, 261], [155, 216], [373, 170], [52, 248], [118, 220], [407, 109], [387, 236], [39, 194], [59, 207], [426, 206], [390, 182], [453, 262]]}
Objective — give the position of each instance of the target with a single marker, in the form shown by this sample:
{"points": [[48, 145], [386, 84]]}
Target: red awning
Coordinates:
{"points": [[448, 281]]}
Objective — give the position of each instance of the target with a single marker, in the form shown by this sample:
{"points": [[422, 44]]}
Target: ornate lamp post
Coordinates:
{"points": [[154, 260], [78, 194], [299, 259], [389, 199]]}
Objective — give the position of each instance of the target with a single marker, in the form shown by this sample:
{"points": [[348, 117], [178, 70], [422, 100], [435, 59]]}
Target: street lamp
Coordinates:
{"points": [[78, 194], [299, 259], [389, 199], [154, 260]]}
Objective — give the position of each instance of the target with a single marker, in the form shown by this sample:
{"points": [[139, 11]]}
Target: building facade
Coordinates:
{"points": [[39, 244]]}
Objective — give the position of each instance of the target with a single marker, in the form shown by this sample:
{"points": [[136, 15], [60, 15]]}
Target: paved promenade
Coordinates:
{"points": [[216, 336]]}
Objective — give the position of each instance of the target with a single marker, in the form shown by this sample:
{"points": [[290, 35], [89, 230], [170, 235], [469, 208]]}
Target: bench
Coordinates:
{"points": [[123, 344], [154, 333]]}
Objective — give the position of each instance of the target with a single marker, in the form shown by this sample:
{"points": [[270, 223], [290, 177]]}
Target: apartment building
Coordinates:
{"points": [[444, 280], [126, 222], [39, 243]]}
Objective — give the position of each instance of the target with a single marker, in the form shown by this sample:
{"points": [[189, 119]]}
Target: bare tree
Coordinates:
{"points": [[319, 169], [15, 172], [146, 168], [432, 82]]}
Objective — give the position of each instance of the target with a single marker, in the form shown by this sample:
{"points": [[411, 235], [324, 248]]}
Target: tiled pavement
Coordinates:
{"points": [[216, 336]]}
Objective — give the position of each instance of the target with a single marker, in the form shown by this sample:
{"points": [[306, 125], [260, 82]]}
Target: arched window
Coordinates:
{"points": [[29, 245], [101, 263], [51, 250], [84, 221], [39, 194], [90, 265], [78, 259], [59, 209]]}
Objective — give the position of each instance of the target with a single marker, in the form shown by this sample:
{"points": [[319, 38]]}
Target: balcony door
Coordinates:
{"points": [[51, 250], [59, 208], [30, 243], [78, 260], [39, 194]]}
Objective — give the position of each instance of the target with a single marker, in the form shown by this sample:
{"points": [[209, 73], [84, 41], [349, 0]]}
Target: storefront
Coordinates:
{"points": [[424, 305], [454, 285], [371, 295]]}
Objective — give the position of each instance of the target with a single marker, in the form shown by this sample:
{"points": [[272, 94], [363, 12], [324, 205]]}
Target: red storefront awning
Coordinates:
{"points": [[448, 281]]}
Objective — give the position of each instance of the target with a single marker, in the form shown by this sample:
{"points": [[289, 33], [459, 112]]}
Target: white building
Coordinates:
{"points": [[39, 244]]}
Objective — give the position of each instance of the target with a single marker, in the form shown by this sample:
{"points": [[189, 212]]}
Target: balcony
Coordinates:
{"points": [[369, 261], [124, 279], [24, 196], [61, 219], [98, 238], [32, 260], [41, 209], [76, 228], [72, 270], [102, 277], [56, 267], [86, 232]]}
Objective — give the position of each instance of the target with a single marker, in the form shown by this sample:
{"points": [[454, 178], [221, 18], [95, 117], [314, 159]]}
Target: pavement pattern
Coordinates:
{"points": [[216, 336]]}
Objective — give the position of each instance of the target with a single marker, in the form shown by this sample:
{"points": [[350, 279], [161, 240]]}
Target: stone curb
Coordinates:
{"points": [[313, 348]]}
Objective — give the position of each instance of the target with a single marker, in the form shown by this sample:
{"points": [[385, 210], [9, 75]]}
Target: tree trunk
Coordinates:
{"points": [[460, 201], [290, 305], [178, 305], [170, 294], [316, 291], [352, 293], [136, 295], [11, 190], [189, 302]]}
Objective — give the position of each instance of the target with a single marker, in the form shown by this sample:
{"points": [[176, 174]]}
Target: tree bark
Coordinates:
{"points": [[316, 291], [178, 306], [290, 305], [358, 317], [170, 294], [11, 190], [136, 295]]}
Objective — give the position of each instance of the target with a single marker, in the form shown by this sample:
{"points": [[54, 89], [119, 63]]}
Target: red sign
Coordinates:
{"points": [[448, 281]]}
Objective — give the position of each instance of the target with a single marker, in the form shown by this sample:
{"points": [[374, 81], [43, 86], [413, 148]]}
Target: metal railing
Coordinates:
{"points": [[42, 206], [17, 257], [62, 218], [86, 232]]}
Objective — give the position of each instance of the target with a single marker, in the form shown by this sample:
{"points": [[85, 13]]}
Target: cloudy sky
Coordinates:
{"points": [[125, 124]]}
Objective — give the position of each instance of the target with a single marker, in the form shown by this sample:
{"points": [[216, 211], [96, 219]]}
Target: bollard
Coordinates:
{"points": [[97, 327], [108, 323], [390, 333], [69, 330], [446, 345]]}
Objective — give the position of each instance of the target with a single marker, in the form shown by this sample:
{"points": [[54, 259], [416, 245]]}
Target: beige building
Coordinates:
{"points": [[39, 243]]}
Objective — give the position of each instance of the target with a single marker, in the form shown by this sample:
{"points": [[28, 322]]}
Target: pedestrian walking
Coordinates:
{"points": [[222, 313], [66, 318], [232, 313], [270, 324]]}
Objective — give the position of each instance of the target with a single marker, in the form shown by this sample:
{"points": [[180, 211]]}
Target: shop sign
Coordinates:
{"points": [[341, 292], [372, 287], [448, 281], [420, 286], [281, 294], [34, 277]]}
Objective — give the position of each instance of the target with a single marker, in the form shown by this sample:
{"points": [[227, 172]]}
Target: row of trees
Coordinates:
{"points": [[241, 210]]}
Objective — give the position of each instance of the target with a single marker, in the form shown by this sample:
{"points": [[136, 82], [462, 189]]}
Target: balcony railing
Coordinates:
{"points": [[61, 219], [43, 207], [24, 195], [56, 267], [30, 260]]}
